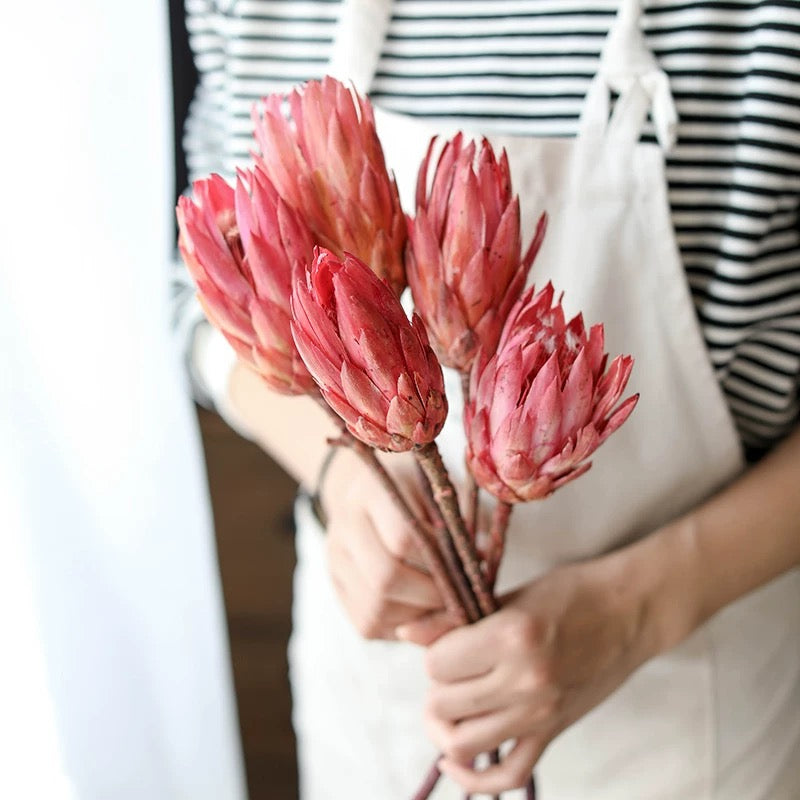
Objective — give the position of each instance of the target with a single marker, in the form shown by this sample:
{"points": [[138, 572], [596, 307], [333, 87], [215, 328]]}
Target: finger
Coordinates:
{"points": [[393, 530], [469, 738], [513, 772], [373, 621], [373, 615], [384, 573], [452, 702], [405, 584], [463, 653], [427, 629]]}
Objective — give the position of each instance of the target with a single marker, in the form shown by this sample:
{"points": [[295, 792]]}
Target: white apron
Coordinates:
{"points": [[718, 717]]}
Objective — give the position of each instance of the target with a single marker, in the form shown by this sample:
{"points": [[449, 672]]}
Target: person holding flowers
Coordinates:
{"points": [[635, 629]]}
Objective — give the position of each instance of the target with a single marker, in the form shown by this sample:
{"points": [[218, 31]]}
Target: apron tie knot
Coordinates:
{"points": [[627, 60]]}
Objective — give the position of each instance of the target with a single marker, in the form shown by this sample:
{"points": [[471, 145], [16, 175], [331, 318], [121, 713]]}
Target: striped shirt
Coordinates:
{"points": [[523, 67]]}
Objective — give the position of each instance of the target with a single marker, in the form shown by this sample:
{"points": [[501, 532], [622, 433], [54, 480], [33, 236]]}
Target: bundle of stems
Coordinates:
{"points": [[447, 544]]}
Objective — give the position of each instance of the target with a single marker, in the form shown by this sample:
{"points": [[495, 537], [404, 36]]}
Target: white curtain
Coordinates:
{"points": [[114, 674]]}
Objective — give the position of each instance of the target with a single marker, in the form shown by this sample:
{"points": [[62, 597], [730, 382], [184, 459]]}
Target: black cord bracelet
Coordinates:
{"points": [[316, 497]]}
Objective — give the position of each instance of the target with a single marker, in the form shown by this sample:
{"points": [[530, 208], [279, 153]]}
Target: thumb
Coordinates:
{"points": [[426, 629]]}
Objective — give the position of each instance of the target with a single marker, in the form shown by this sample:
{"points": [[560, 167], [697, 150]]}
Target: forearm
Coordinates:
{"points": [[293, 430], [738, 540]]}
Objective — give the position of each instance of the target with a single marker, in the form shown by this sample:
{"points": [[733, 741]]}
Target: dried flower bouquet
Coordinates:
{"points": [[301, 265]]}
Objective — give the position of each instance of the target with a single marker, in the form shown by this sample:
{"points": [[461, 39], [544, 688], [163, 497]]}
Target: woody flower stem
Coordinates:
{"points": [[447, 549], [432, 558], [497, 539], [471, 492], [445, 495], [429, 784]]}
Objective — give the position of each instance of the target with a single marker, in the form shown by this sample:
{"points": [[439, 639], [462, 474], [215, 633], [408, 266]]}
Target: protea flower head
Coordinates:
{"points": [[374, 367], [325, 158], [543, 402], [464, 264], [242, 248]]}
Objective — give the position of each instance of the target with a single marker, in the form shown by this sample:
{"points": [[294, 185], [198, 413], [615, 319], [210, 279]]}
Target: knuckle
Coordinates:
{"points": [[454, 746], [369, 624], [385, 576], [432, 667], [523, 632], [400, 543], [433, 705], [549, 710], [446, 737], [544, 673], [436, 730], [518, 776], [536, 676]]}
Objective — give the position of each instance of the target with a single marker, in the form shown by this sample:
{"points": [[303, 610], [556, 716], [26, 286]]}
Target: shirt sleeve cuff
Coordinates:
{"points": [[213, 360]]}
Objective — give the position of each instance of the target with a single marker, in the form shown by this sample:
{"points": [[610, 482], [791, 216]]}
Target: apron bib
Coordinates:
{"points": [[713, 719]]}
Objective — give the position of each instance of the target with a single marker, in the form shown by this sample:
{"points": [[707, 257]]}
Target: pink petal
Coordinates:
{"points": [[618, 417], [547, 375], [577, 396], [536, 242], [409, 391], [503, 261], [402, 418], [362, 394], [611, 386], [547, 424], [571, 475], [364, 430]]}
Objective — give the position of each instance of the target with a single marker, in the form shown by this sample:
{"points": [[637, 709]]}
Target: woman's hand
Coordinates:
{"points": [[554, 650], [375, 566], [372, 558]]}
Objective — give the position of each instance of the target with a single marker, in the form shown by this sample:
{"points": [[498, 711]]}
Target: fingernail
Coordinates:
{"points": [[401, 632]]}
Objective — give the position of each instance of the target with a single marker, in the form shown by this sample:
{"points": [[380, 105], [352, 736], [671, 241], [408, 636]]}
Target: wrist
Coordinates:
{"points": [[667, 586], [343, 476]]}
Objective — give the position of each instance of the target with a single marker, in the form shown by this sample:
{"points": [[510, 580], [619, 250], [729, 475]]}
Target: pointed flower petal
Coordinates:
{"points": [[541, 405], [367, 355]]}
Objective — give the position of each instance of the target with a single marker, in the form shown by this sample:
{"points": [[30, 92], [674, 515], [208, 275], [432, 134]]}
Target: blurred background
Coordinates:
{"points": [[252, 500], [122, 611], [252, 504]]}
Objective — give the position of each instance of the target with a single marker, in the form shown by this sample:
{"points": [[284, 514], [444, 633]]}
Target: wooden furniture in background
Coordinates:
{"points": [[252, 500]]}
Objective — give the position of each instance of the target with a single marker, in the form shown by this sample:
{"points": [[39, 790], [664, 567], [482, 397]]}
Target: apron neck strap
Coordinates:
{"points": [[625, 62], [358, 41], [627, 65]]}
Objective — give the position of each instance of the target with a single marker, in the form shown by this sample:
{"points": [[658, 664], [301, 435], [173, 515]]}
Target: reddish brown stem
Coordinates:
{"points": [[445, 495], [448, 552], [471, 491], [429, 784], [497, 540]]}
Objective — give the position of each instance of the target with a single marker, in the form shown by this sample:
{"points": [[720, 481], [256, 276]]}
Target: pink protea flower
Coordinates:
{"points": [[464, 264], [374, 367], [242, 248], [325, 159], [543, 402]]}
